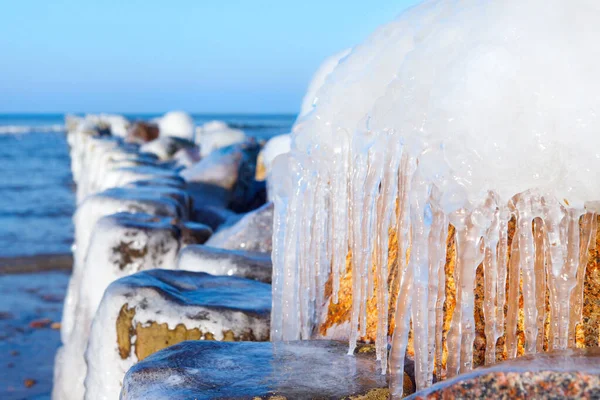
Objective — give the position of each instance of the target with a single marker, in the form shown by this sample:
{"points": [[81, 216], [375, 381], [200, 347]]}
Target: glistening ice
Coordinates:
{"points": [[460, 114]]}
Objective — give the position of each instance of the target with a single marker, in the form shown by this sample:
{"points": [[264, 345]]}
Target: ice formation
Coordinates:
{"points": [[466, 113], [214, 305], [214, 135], [177, 124], [318, 79]]}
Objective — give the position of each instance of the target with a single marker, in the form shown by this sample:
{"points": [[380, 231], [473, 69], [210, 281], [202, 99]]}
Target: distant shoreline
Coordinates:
{"points": [[36, 263]]}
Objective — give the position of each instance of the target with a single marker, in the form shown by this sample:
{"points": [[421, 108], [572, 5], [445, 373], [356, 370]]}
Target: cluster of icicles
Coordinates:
{"points": [[352, 203]]}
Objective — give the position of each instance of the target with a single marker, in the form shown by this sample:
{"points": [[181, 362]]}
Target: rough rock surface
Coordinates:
{"points": [[147, 311], [253, 232], [285, 370], [214, 261], [566, 374], [142, 132]]}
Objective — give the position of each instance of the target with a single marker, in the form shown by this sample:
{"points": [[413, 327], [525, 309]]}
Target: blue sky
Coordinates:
{"points": [[253, 56]]}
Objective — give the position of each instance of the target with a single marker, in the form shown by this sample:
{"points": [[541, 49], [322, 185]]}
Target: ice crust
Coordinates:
{"points": [[171, 297], [469, 113]]}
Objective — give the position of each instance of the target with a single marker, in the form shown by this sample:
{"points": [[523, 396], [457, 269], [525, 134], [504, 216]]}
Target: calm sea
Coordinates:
{"points": [[36, 188]]}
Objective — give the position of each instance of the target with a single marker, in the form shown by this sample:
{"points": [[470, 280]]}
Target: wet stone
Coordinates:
{"points": [[565, 374], [148, 311], [215, 261], [289, 370]]}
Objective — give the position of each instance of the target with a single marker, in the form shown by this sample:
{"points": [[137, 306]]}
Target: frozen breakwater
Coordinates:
{"points": [[437, 212], [145, 192]]}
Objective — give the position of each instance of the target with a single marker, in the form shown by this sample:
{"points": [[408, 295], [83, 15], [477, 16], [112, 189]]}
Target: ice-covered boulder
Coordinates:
{"points": [[151, 310], [157, 201], [285, 370], [214, 135], [214, 261], [226, 174], [165, 147], [224, 167], [252, 232], [121, 244], [177, 124]]}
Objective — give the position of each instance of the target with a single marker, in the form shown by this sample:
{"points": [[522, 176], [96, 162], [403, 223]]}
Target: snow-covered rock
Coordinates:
{"points": [[121, 244], [146, 312], [157, 201], [165, 147], [215, 135], [177, 124], [252, 232]]}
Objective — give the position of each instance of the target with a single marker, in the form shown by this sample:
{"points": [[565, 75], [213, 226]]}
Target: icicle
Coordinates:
{"points": [[340, 208], [502, 268], [563, 238], [437, 261], [526, 204], [587, 232], [385, 210], [469, 230], [421, 218], [400, 337], [540, 243], [490, 269], [441, 297], [512, 313]]}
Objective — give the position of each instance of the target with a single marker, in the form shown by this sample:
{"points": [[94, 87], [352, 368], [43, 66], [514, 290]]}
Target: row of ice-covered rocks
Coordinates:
{"points": [[172, 243], [170, 294]]}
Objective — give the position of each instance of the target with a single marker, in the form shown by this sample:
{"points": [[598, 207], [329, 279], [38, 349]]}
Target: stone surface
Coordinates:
{"points": [[564, 374], [147, 311], [292, 370], [142, 132], [214, 261], [251, 232]]}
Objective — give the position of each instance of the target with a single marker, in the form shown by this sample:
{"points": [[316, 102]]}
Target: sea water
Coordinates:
{"points": [[36, 190]]}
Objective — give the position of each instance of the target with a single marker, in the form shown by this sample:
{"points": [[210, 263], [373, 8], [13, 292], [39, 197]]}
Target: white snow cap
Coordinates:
{"points": [[214, 135], [178, 124]]}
